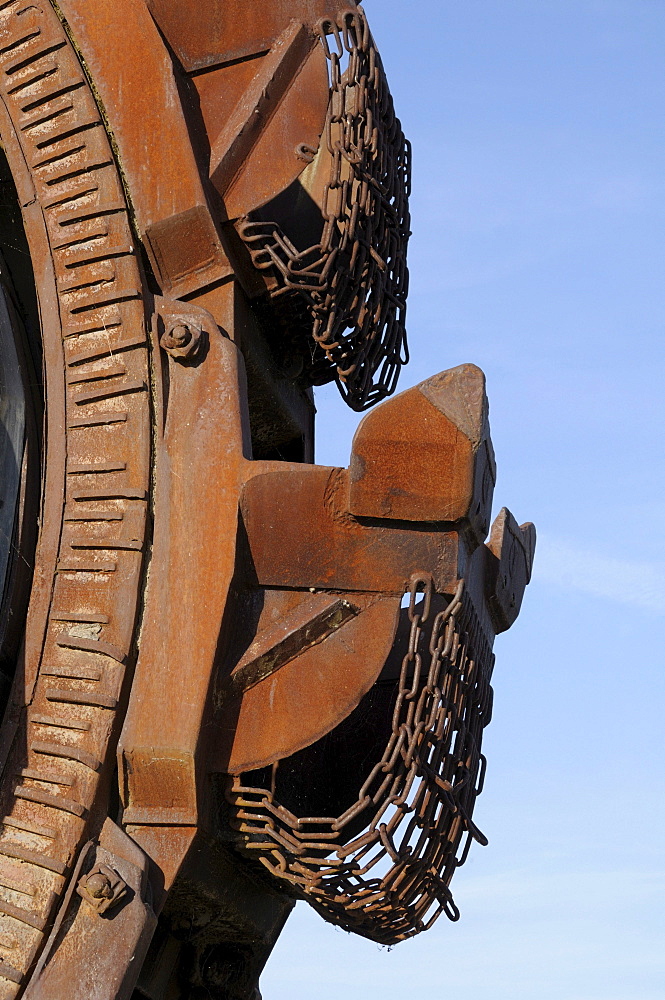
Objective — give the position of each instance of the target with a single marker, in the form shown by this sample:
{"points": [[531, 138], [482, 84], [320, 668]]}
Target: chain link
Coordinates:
{"points": [[392, 881], [353, 284]]}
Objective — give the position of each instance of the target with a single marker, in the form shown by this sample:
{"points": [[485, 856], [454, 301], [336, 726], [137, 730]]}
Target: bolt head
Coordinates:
{"points": [[102, 888], [99, 886], [182, 341], [180, 336]]}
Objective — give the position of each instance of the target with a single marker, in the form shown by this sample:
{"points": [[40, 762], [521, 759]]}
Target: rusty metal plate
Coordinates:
{"points": [[289, 106], [304, 510], [225, 30], [309, 694]]}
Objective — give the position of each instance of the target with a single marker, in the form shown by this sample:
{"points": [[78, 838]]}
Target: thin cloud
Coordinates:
{"points": [[640, 584]]}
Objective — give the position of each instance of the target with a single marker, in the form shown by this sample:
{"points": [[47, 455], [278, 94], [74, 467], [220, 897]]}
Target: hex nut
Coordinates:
{"points": [[182, 340], [102, 888], [99, 886]]}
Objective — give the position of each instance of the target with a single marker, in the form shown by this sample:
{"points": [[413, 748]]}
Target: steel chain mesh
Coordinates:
{"points": [[392, 881], [354, 282]]}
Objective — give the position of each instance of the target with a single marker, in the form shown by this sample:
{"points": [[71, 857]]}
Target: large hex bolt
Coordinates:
{"points": [[182, 340], [99, 886], [102, 888]]}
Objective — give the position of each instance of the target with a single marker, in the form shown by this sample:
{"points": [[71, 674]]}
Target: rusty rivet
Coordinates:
{"points": [[182, 340]]}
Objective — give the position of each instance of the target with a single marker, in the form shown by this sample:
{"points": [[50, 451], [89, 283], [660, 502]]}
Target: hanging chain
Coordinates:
{"points": [[392, 880], [352, 286]]}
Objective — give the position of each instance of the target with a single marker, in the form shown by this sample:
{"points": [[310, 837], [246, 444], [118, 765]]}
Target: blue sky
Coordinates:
{"points": [[537, 253]]}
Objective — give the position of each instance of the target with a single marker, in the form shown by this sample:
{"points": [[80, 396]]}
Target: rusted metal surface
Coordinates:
{"points": [[217, 668], [513, 549], [226, 31], [193, 563], [444, 472], [159, 165], [70, 683], [234, 146], [103, 929], [300, 507], [308, 694]]}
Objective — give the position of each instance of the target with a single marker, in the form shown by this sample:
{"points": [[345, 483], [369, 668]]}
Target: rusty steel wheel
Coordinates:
{"points": [[72, 670]]}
